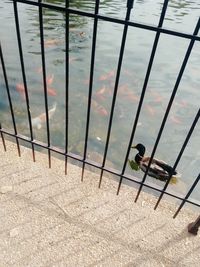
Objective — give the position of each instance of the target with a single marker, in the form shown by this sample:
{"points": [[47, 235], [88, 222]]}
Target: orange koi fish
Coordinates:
{"points": [[49, 79], [103, 92], [99, 109], [21, 90], [51, 42], [38, 121], [150, 110], [100, 93], [103, 77], [175, 119], [127, 93], [51, 91], [157, 97], [107, 76], [132, 97], [123, 89]]}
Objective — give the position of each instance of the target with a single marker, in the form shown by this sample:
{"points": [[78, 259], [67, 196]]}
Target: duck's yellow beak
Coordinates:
{"points": [[133, 147]]}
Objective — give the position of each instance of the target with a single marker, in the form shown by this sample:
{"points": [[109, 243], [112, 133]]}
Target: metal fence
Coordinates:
{"points": [[159, 30]]}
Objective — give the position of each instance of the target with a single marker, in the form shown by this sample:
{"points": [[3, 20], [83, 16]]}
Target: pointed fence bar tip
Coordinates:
{"points": [[130, 4]]}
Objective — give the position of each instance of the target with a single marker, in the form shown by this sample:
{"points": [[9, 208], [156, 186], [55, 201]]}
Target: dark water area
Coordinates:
{"points": [[180, 16]]}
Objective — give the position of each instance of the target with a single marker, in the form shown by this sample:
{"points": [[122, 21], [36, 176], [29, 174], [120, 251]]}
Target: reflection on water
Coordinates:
{"points": [[181, 15]]}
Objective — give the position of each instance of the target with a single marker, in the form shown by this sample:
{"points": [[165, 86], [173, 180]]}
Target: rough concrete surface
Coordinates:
{"points": [[49, 219]]}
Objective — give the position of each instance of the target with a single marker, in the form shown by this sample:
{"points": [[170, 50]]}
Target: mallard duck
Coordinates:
{"points": [[158, 168]]}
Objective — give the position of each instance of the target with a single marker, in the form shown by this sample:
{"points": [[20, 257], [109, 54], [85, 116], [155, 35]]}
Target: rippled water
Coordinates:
{"points": [[181, 16]]}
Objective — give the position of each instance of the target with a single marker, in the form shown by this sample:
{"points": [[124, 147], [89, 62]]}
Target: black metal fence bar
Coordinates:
{"points": [[66, 80], [153, 52], [128, 12], [90, 84], [44, 79], [187, 55], [10, 101], [23, 74], [187, 196], [111, 19], [179, 156]]}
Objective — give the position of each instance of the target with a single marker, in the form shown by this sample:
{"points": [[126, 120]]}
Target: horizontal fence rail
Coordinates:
{"points": [[126, 23]]}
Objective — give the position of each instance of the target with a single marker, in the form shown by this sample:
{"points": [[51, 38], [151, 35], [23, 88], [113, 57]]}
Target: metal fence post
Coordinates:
{"points": [[194, 226]]}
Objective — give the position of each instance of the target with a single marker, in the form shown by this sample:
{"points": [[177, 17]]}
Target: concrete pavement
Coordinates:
{"points": [[49, 219]]}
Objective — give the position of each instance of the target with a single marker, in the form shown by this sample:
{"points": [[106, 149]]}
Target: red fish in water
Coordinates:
{"points": [[103, 92], [100, 93], [99, 109], [107, 76], [51, 42], [21, 90], [175, 119], [150, 110], [132, 97], [157, 97], [49, 79], [103, 77], [127, 93], [51, 91], [123, 89]]}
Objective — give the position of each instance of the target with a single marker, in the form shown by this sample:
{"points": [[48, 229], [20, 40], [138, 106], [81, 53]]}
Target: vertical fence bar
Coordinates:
{"points": [[9, 100], [187, 55], [123, 42], [187, 196], [179, 156], [90, 84], [66, 80], [23, 74], [44, 78], [155, 44], [2, 138]]}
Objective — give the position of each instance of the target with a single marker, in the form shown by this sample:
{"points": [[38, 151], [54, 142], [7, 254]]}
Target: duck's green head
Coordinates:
{"points": [[140, 148]]}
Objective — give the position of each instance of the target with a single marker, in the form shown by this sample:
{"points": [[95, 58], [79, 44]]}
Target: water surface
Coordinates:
{"points": [[181, 16]]}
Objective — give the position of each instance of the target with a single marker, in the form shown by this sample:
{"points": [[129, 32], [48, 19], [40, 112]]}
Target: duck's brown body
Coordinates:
{"points": [[158, 168]]}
